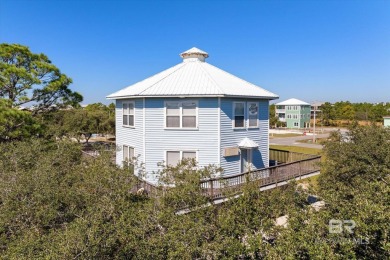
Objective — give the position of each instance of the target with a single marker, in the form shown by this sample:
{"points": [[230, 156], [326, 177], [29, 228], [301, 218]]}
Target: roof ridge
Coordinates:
{"points": [[182, 65], [242, 80], [212, 79]]}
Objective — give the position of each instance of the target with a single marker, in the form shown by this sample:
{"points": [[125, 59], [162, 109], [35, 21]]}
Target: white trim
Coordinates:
{"points": [[249, 154], [128, 152], [144, 130], [266, 163], [258, 113], [234, 115], [182, 129], [128, 103], [181, 115], [181, 154], [191, 96], [219, 132]]}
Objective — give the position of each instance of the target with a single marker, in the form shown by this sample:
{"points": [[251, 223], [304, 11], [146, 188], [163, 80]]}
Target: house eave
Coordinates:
{"points": [[191, 96]]}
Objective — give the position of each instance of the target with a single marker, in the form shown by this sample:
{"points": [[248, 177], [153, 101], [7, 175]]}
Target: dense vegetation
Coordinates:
{"points": [[57, 204], [330, 113], [54, 203], [31, 79]]}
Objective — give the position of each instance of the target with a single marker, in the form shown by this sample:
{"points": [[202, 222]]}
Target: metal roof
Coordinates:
{"points": [[193, 77], [292, 102]]}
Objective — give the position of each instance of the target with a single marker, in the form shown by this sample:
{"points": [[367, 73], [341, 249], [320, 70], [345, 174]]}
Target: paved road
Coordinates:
{"points": [[292, 141]]}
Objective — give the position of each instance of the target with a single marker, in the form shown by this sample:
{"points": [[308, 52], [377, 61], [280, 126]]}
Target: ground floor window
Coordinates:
{"points": [[296, 124], [128, 156], [174, 157]]}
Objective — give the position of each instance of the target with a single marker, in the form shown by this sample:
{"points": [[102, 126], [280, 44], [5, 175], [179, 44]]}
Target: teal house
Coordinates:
{"points": [[386, 121], [295, 112]]}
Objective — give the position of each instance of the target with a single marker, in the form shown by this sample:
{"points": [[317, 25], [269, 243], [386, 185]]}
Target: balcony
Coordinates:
{"points": [[286, 166]]}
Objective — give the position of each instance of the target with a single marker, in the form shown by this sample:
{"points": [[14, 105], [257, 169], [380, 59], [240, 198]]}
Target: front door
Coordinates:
{"points": [[246, 159]]}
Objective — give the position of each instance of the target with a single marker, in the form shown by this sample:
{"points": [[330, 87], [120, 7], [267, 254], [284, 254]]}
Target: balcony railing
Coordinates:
{"points": [[287, 166], [283, 111]]}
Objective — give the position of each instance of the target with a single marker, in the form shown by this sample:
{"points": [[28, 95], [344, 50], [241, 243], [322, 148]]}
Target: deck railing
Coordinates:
{"points": [[150, 189], [289, 166], [282, 156]]}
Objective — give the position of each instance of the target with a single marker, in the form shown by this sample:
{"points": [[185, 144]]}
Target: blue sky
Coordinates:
{"points": [[311, 50]]}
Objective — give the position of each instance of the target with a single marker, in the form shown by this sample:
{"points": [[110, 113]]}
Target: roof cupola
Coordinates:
{"points": [[194, 54]]}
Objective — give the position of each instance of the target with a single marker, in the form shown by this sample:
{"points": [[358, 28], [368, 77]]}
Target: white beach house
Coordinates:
{"points": [[193, 110]]}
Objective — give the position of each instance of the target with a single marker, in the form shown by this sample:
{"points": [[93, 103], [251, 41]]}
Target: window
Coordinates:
{"points": [[128, 114], [295, 116], [296, 124], [239, 114], [253, 114], [128, 156], [173, 114], [189, 114], [289, 116], [174, 157], [181, 114]]}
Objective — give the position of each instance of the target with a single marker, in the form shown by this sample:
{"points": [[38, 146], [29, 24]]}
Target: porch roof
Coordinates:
{"points": [[247, 143]]}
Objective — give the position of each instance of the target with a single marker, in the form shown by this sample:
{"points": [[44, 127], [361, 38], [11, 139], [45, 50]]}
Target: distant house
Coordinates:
{"points": [[386, 121], [193, 110], [295, 112]]}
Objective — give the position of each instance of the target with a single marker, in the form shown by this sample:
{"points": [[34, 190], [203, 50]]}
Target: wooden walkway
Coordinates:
{"points": [[289, 166]]}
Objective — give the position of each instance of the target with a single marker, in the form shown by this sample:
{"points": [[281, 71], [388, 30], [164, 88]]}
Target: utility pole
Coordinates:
{"points": [[314, 125]]}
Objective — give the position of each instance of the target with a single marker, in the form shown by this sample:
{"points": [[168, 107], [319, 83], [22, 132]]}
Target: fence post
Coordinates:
{"points": [[300, 170], [275, 174], [212, 189]]}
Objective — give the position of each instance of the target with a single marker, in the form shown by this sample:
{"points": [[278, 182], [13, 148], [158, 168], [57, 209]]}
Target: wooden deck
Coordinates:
{"points": [[288, 166]]}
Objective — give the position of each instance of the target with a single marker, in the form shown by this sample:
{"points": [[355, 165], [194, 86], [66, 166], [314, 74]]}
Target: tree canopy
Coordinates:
{"points": [[55, 203], [345, 110], [16, 124], [29, 77]]}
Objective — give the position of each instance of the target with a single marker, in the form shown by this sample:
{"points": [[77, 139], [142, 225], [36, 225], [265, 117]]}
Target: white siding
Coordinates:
{"points": [[231, 137], [131, 136], [204, 140], [158, 140]]}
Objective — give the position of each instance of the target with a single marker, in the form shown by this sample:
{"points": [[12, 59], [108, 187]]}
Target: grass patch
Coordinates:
{"points": [[312, 181], [297, 149], [284, 135], [310, 141]]}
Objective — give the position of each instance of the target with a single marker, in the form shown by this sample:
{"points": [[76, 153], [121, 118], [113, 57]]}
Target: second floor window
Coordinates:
{"points": [[253, 114], [128, 114], [239, 114], [181, 114]]}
